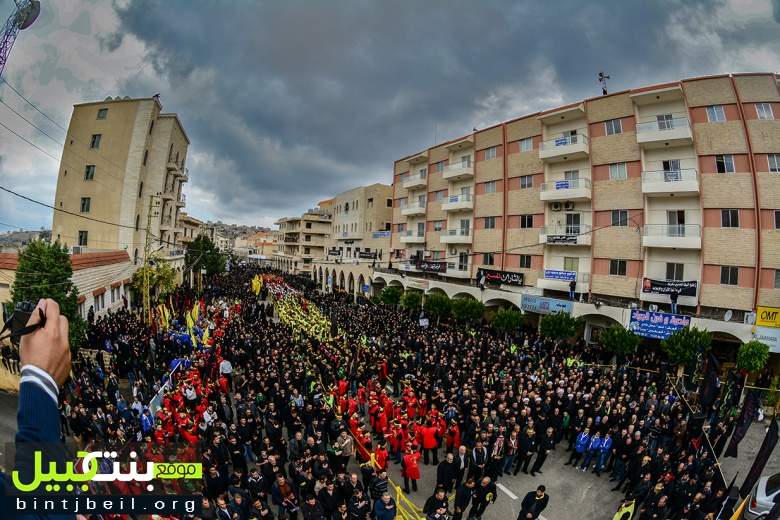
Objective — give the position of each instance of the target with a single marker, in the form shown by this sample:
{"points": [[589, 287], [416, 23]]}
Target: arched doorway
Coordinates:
{"points": [[361, 283], [351, 284], [326, 280], [342, 285]]}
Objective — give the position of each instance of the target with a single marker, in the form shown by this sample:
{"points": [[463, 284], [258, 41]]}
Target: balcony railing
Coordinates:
{"points": [[566, 184], [458, 170], [458, 233], [567, 230], [454, 266], [685, 174], [672, 230], [662, 125], [552, 144], [411, 233], [463, 197], [418, 179]]}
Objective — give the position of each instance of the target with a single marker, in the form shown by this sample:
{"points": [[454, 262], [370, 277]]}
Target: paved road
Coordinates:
{"points": [[573, 494]]}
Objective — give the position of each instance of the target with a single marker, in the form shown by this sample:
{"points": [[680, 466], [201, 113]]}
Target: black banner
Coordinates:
{"points": [[367, 255], [334, 252], [561, 239], [500, 277], [428, 266], [681, 287]]}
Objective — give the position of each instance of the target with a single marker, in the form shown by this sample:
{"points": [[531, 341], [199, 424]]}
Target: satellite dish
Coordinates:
{"points": [[29, 14], [109, 98], [727, 316]]}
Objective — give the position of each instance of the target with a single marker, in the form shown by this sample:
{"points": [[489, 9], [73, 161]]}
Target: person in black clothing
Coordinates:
{"points": [[435, 501], [526, 450], [312, 510], [463, 498], [329, 498], [546, 445], [484, 495], [447, 473], [533, 504]]}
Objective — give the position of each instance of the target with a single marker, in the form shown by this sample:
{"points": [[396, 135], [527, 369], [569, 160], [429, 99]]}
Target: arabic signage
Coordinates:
{"points": [[500, 277], [432, 267], [415, 283], [566, 276], [542, 305], [562, 185], [380, 234], [768, 317], [367, 255], [561, 141], [561, 239], [681, 287], [658, 325], [769, 336], [334, 252]]}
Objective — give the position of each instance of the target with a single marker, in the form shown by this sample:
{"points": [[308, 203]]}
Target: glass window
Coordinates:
{"points": [[438, 225], [490, 187], [675, 272], [439, 166], [715, 114], [526, 221], [389, 203], [83, 238], [490, 222], [773, 159], [613, 126], [777, 219], [571, 263], [527, 144], [95, 141], [491, 153], [618, 171], [525, 261], [777, 278], [85, 204], [729, 275], [89, 172], [724, 163], [729, 218], [487, 258], [764, 111], [620, 217], [617, 267], [526, 181], [102, 113]]}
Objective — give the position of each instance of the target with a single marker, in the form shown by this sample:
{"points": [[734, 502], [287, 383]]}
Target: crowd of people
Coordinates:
{"points": [[300, 401]]}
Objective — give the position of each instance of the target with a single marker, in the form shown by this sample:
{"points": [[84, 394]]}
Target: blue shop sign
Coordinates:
{"points": [[380, 234], [542, 305], [567, 276], [658, 325]]}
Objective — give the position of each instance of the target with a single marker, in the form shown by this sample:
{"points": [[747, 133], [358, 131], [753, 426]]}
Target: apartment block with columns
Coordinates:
{"points": [[626, 195], [299, 240]]}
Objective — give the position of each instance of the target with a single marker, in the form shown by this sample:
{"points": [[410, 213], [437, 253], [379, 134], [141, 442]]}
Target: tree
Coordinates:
{"points": [[752, 356], [619, 341], [411, 301], [391, 295], [467, 310], [202, 253], [506, 321], [684, 345], [559, 325], [438, 306], [162, 277], [45, 271]]}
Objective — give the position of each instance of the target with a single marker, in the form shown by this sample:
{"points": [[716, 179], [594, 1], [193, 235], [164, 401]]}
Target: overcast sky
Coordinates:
{"points": [[289, 102]]}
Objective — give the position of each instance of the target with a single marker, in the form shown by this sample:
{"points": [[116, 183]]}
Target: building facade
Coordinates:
{"points": [[300, 240], [190, 228], [122, 158], [627, 198]]}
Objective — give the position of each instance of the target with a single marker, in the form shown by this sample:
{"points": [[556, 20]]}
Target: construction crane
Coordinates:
{"points": [[26, 13]]}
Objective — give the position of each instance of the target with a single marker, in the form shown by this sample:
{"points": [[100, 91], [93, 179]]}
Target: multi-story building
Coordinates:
{"points": [[301, 239], [122, 158], [626, 198], [191, 228], [359, 238]]}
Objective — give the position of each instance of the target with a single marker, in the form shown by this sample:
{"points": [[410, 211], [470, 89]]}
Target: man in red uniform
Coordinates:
{"points": [[410, 468]]}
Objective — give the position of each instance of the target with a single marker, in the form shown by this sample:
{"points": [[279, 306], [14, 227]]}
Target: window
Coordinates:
{"points": [[613, 126], [102, 113], [95, 142], [674, 272], [490, 222], [525, 261], [620, 217], [89, 172], [491, 153], [715, 114], [439, 166], [85, 203], [146, 156], [729, 218], [773, 159], [439, 195], [487, 258], [490, 187], [526, 221], [306, 250], [526, 182], [764, 111], [777, 278], [724, 163], [307, 238], [617, 267], [438, 225], [729, 275], [83, 238], [370, 202], [308, 225], [571, 263], [618, 172], [389, 203], [527, 144], [140, 190]]}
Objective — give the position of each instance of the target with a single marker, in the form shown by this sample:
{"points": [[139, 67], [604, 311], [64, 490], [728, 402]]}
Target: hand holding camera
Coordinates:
{"points": [[47, 347]]}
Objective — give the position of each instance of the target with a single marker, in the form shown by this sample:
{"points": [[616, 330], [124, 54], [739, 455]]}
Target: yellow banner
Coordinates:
{"points": [[767, 316], [739, 512]]}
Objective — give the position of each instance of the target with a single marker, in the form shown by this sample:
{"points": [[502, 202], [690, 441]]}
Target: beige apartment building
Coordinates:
{"points": [[190, 228], [300, 240], [122, 157], [629, 197], [359, 239]]}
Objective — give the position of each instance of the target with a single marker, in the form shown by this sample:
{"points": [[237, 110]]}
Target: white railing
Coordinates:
{"points": [[411, 233], [662, 125], [672, 230], [564, 140], [453, 266], [568, 229], [459, 232], [463, 197], [456, 167], [684, 174], [566, 184], [419, 177]]}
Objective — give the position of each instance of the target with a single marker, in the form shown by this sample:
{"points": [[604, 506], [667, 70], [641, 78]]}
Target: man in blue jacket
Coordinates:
{"points": [[580, 446], [594, 448], [604, 453]]}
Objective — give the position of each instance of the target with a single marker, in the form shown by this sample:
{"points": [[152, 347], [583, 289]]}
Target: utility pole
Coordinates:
{"points": [[147, 253]]}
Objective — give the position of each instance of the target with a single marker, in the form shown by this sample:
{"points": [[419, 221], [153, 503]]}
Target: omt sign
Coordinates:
{"points": [[768, 317]]}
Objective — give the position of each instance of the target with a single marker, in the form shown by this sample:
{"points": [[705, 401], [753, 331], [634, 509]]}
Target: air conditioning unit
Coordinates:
{"points": [[653, 307], [555, 206], [749, 318], [568, 205]]}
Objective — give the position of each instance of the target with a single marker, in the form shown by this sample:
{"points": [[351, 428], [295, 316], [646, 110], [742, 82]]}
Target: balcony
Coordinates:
{"points": [[166, 224], [670, 182], [409, 266], [412, 237], [348, 235], [458, 171], [456, 236], [570, 235], [419, 180], [572, 189], [565, 148], [172, 166], [413, 209], [559, 281], [455, 270], [675, 236], [664, 132], [182, 201], [462, 202]]}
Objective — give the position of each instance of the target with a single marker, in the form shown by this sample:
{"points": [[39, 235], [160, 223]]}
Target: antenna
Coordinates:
{"points": [[603, 80]]}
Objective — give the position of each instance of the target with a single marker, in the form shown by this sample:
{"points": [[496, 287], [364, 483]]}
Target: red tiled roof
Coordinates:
{"points": [[9, 261], [98, 292], [87, 260]]}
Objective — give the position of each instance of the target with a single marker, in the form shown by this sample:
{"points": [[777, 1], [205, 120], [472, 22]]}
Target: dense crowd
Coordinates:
{"points": [[298, 412]]}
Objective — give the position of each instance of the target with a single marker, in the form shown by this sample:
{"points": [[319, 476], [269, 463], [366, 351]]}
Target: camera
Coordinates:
{"points": [[17, 323]]}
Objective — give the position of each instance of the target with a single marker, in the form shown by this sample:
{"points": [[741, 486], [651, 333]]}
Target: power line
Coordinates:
{"points": [[29, 142], [32, 105]]}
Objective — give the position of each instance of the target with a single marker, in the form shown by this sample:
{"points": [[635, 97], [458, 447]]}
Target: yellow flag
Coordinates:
{"points": [[195, 312], [256, 283], [740, 511], [205, 336]]}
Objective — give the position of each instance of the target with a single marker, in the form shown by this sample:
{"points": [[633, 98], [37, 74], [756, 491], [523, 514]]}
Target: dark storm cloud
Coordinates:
{"points": [[301, 99]]}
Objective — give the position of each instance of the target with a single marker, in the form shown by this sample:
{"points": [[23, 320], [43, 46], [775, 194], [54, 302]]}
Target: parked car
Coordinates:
{"points": [[762, 497]]}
